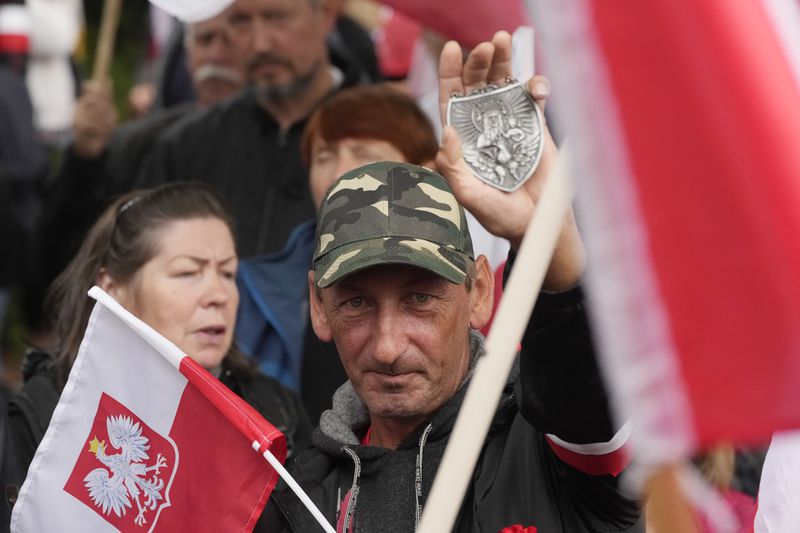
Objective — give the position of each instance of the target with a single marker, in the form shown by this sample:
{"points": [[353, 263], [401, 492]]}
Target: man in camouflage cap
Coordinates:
{"points": [[395, 284], [392, 237], [391, 213]]}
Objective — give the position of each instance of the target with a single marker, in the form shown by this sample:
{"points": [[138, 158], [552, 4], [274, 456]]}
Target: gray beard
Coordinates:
{"points": [[277, 94]]}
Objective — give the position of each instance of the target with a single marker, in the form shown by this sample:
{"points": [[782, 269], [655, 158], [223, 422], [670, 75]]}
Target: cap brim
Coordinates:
{"points": [[354, 257]]}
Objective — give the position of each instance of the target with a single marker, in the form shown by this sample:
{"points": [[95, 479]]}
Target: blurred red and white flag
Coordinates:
{"points": [[15, 28], [143, 439], [684, 119], [469, 21]]}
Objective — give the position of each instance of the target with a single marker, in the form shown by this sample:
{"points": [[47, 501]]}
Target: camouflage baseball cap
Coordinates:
{"points": [[391, 213]]}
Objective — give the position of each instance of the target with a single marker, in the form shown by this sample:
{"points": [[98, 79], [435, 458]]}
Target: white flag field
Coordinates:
{"points": [[143, 439]]}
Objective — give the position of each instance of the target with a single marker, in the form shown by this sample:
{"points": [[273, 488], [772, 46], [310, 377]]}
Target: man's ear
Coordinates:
{"points": [[482, 294], [319, 320]]}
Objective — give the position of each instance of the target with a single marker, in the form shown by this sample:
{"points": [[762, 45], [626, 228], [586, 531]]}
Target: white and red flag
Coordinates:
{"points": [[144, 439], [15, 28], [468, 21], [684, 119]]}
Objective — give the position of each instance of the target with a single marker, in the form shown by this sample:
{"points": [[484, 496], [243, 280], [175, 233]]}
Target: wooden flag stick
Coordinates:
{"points": [[106, 39], [491, 371]]}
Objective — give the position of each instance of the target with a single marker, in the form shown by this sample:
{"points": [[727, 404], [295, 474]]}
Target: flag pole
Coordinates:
{"points": [[106, 38], [491, 371], [287, 477]]}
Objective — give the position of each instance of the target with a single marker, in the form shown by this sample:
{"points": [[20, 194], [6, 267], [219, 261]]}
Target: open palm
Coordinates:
{"points": [[505, 214]]}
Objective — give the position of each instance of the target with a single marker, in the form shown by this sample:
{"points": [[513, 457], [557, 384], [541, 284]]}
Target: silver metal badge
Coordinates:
{"points": [[501, 131]]}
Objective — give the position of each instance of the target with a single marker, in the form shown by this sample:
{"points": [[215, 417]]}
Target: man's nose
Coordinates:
{"points": [[390, 341], [263, 36], [220, 50]]}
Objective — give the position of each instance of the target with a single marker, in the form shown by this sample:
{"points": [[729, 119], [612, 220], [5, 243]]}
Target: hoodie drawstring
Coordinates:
{"points": [[418, 475], [354, 488]]}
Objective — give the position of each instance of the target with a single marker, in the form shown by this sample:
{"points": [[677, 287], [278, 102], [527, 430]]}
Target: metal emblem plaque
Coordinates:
{"points": [[501, 131]]}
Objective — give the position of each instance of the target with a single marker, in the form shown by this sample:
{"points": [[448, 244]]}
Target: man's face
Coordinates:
{"points": [[216, 65], [285, 43], [402, 335]]}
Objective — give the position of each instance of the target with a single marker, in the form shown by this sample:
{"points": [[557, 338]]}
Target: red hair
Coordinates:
{"points": [[373, 112]]}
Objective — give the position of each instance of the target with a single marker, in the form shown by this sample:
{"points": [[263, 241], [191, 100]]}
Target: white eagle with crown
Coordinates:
{"points": [[125, 477]]}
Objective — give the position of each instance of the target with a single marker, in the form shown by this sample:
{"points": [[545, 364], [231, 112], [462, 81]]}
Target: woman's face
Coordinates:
{"points": [[187, 291], [330, 160]]}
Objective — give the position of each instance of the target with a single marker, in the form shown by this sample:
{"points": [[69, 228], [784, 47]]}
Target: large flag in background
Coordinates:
{"points": [[684, 117], [143, 439], [468, 21]]}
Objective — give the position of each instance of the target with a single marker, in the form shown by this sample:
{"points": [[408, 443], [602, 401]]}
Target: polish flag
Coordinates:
{"points": [[468, 21], [15, 27], [144, 439], [684, 119]]}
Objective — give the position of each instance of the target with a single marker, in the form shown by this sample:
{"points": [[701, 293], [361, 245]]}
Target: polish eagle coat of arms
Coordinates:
{"points": [[125, 469], [125, 477]]}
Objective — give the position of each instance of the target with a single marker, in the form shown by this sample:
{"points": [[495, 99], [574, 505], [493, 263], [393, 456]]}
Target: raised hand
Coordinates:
{"points": [[504, 214], [94, 121]]}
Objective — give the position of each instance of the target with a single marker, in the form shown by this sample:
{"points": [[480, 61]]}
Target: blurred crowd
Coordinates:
{"points": [[69, 144], [266, 103]]}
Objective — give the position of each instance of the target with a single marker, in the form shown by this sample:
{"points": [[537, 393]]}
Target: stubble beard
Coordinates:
{"points": [[274, 93]]}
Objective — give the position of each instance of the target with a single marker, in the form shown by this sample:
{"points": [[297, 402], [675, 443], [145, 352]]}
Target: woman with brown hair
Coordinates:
{"points": [[167, 255]]}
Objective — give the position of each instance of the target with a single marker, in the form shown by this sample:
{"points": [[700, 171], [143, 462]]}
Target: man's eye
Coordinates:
{"points": [[239, 19], [278, 16], [355, 303], [422, 298], [186, 273], [204, 39]]}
